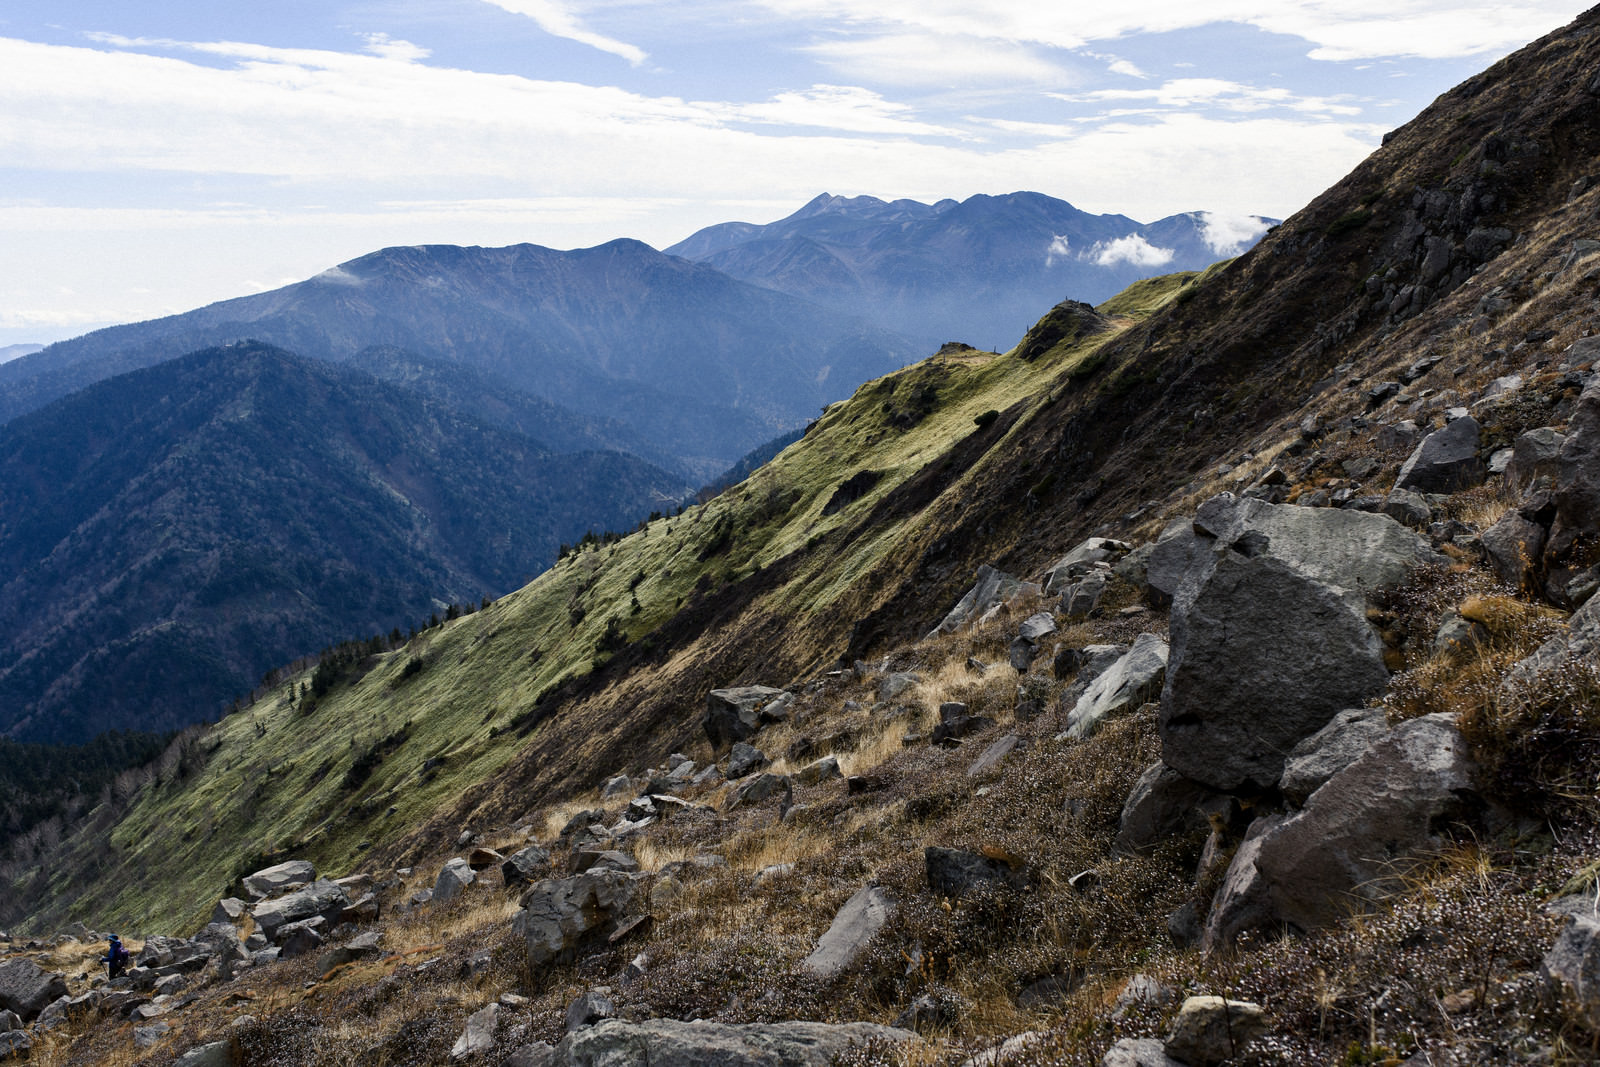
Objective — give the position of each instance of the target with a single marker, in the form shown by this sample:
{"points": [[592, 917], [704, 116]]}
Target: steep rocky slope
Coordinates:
{"points": [[1067, 819]]}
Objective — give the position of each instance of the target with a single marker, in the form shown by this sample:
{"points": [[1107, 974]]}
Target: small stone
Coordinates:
{"points": [[1210, 1030]]}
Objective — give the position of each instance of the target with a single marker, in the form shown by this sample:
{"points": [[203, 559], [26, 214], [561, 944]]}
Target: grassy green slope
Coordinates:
{"points": [[277, 777]]}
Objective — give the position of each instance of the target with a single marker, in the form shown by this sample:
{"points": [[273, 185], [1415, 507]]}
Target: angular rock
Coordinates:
{"points": [[1407, 508], [852, 929], [755, 790], [276, 879], [479, 1033], [26, 988], [1535, 459], [591, 1008], [1330, 750], [537, 1054], [1080, 599], [822, 770], [896, 684], [1457, 636], [1244, 900], [1446, 461], [745, 760], [619, 786], [1080, 561], [1577, 480], [1514, 547], [1210, 1030], [300, 938], [525, 866], [1270, 637], [227, 1053], [1557, 659], [669, 1043], [453, 878], [1139, 1052], [322, 897], [364, 947], [735, 714], [1359, 832], [15, 1044], [1162, 803], [992, 589], [1132, 680], [481, 859], [229, 910], [1037, 627], [954, 873], [1571, 968], [10, 1020], [561, 917], [1174, 551]]}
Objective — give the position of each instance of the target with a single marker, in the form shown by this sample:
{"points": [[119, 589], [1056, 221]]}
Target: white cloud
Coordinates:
{"points": [[1228, 235], [557, 20], [1356, 29], [1058, 249], [1133, 250], [381, 44], [1122, 66], [835, 107], [931, 59], [1216, 93]]}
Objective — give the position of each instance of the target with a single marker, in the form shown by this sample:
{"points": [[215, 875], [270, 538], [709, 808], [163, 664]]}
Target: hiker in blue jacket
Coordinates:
{"points": [[116, 957]]}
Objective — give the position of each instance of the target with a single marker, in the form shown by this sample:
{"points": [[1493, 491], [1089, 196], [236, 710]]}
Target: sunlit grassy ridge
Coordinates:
{"points": [[403, 737]]}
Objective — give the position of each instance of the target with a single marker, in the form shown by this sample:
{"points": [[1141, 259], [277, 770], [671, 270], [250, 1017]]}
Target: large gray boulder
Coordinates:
{"points": [[321, 897], [852, 929], [1446, 461], [274, 880], [1363, 830], [1535, 458], [1330, 750], [1572, 967], [453, 878], [735, 714], [26, 988], [1169, 560], [525, 865], [1210, 1030], [562, 916], [1133, 680], [478, 1035], [669, 1043], [1577, 477], [1269, 633], [993, 588]]}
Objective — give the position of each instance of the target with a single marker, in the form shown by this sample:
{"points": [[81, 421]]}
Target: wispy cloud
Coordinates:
{"points": [[558, 20], [835, 107], [1353, 30], [1133, 250], [1216, 93], [933, 59]]}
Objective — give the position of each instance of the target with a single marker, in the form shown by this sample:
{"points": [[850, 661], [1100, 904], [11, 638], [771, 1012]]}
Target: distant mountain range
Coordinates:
{"points": [[11, 352], [169, 535], [981, 270], [697, 364]]}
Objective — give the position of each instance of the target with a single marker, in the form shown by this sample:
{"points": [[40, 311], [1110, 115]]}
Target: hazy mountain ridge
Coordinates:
{"points": [[977, 270], [169, 535], [700, 365]]}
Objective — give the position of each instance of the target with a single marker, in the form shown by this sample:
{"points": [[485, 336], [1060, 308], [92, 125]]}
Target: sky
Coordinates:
{"points": [[158, 155]]}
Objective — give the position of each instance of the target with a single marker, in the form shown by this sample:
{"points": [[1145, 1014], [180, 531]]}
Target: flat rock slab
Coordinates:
{"points": [[1128, 683], [669, 1043], [275, 879], [1330, 750], [853, 928], [26, 988]]}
